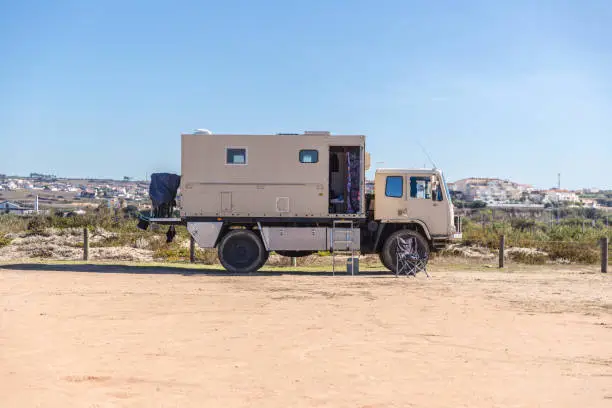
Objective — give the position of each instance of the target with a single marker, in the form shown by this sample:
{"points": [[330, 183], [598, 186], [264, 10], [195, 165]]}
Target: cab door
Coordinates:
{"points": [[390, 197], [426, 201]]}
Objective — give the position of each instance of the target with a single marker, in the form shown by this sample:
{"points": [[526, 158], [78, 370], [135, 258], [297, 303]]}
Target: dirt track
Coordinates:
{"points": [[156, 337]]}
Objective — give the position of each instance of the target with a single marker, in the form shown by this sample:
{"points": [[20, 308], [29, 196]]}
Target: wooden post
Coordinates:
{"points": [[85, 244], [604, 255], [502, 243], [192, 250]]}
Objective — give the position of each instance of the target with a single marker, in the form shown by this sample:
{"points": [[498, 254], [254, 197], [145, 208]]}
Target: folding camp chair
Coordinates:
{"points": [[408, 259]]}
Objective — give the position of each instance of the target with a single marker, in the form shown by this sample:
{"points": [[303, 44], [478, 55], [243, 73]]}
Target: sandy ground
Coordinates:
{"points": [[106, 336]]}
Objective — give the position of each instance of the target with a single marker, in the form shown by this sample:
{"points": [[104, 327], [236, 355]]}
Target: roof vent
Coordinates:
{"points": [[202, 132], [317, 132]]}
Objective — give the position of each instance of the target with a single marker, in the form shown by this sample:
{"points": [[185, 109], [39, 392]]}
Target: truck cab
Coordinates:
{"points": [[418, 197], [409, 208]]}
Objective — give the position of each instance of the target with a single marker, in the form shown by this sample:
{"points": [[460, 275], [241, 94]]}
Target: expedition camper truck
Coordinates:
{"points": [[296, 194]]}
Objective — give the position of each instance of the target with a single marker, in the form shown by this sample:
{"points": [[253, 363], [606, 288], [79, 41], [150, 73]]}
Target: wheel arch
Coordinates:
{"points": [[208, 234], [388, 228]]}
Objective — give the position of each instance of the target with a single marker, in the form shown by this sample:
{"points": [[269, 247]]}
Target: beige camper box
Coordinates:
{"points": [[248, 195], [313, 175]]}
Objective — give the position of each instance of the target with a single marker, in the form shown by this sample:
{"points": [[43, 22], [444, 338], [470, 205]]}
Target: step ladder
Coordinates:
{"points": [[344, 240]]}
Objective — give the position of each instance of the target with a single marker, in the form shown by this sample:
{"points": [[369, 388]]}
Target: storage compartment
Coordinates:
{"points": [[295, 238]]}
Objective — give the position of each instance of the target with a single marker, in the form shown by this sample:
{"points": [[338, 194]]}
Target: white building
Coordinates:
{"points": [[490, 190], [556, 195]]}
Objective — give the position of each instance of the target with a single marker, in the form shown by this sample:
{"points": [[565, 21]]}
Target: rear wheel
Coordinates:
{"points": [[264, 259], [388, 255], [241, 251]]}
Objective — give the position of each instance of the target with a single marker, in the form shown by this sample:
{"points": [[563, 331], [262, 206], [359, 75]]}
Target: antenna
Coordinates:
{"points": [[428, 156]]}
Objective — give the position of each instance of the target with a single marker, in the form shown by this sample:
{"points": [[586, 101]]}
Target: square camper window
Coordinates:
{"points": [[394, 186], [420, 187], [236, 156], [309, 156]]}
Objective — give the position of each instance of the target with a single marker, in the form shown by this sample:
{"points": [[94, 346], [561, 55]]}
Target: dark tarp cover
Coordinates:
{"points": [[163, 188]]}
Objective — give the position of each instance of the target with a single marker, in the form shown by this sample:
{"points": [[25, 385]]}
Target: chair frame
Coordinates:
{"points": [[408, 260]]}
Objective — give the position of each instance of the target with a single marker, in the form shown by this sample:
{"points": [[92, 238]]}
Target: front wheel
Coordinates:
{"points": [[241, 251], [384, 261], [388, 255]]}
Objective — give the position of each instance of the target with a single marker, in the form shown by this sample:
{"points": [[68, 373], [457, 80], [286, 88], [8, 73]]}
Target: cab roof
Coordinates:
{"points": [[409, 171]]}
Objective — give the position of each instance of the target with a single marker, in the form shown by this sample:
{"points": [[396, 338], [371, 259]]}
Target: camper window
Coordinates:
{"points": [[236, 156], [309, 156]]}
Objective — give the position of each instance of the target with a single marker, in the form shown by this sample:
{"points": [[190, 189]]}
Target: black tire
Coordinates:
{"points": [[265, 259], [383, 261], [389, 249], [296, 254], [241, 251]]}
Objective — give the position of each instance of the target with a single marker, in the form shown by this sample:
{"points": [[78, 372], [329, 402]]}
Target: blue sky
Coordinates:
{"points": [[510, 89]]}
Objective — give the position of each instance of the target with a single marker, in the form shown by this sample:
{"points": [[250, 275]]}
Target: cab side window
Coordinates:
{"points": [[420, 187], [394, 186]]}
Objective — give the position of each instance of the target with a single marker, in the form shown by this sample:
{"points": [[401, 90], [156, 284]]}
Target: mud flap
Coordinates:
{"points": [[143, 224], [170, 234]]}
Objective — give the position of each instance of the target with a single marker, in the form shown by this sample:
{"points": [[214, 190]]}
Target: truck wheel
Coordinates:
{"points": [[389, 249], [384, 262], [296, 254], [264, 259], [241, 251]]}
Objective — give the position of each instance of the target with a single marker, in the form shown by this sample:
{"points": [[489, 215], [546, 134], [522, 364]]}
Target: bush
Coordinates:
{"points": [[37, 225], [527, 255], [4, 241], [42, 253], [572, 251], [567, 241], [10, 223]]}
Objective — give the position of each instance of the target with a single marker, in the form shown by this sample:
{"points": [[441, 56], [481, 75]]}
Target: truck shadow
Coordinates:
{"points": [[169, 270]]}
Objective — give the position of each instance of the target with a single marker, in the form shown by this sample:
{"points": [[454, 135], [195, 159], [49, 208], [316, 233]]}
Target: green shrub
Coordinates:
{"points": [[4, 241], [572, 251], [568, 240], [37, 225]]}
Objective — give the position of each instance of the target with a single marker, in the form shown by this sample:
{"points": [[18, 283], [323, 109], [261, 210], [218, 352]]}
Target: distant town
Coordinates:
{"points": [[495, 192], [44, 192]]}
